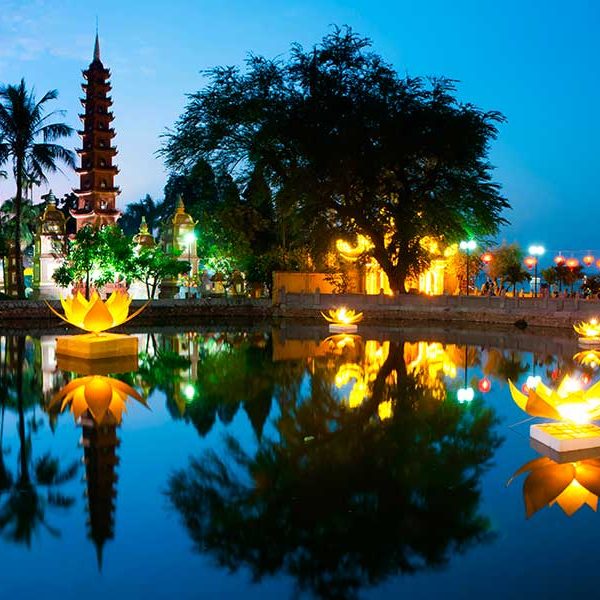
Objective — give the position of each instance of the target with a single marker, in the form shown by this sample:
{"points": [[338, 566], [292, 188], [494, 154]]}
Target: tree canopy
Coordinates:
{"points": [[346, 145]]}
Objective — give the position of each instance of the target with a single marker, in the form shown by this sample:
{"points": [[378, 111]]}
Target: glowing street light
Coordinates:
{"points": [[536, 251], [468, 246]]}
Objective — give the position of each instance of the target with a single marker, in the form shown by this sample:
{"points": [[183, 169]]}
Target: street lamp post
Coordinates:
{"points": [[468, 246], [536, 251]]}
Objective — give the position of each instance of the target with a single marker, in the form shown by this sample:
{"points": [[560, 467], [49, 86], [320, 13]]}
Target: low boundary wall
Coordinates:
{"points": [[544, 312]]}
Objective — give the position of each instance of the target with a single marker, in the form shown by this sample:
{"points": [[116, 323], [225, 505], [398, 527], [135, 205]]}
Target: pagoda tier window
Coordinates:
{"points": [[103, 183], [102, 162]]}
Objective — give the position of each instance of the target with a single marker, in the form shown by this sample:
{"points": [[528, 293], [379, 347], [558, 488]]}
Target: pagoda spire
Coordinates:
{"points": [[97, 47]]}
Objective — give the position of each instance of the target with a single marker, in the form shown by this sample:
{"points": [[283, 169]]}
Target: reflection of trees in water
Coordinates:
{"points": [[505, 365], [342, 499], [240, 373], [22, 505]]}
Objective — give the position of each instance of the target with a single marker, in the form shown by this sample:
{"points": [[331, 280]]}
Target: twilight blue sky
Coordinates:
{"points": [[535, 61]]}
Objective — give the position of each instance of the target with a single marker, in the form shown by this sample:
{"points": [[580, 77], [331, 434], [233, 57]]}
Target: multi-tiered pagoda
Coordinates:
{"points": [[97, 194]]}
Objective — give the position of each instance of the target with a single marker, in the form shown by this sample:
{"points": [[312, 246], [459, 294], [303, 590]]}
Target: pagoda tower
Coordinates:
{"points": [[97, 193]]}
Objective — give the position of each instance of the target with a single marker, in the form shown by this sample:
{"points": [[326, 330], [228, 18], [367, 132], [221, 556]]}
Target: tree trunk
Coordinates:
{"points": [[87, 284], [20, 278]]}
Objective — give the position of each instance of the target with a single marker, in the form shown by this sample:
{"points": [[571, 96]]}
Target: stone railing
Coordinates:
{"points": [[543, 311]]}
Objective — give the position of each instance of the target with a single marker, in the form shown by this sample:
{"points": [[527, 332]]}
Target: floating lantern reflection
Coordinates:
{"points": [[570, 485], [102, 397], [589, 332], [343, 320], [588, 358]]}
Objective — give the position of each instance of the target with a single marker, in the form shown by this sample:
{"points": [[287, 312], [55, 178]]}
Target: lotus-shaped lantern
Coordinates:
{"points": [[342, 319], [103, 397], [96, 315], [569, 404], [589, 332], [570, 485]]}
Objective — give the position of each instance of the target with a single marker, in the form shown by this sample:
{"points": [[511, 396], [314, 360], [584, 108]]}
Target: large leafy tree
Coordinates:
{"points": [[344, 142], [28, 139]]}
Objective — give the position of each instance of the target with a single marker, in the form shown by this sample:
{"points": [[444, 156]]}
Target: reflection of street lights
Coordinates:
{"points": [[466, 393], [468, 247], [536, 251]]}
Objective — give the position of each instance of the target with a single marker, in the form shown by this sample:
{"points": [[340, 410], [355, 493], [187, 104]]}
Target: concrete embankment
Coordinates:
{"points": [[461, 312], [481, 310]]}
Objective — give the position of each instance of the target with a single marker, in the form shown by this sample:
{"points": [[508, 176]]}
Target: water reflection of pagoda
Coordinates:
{"points": [[100, 444], [97, 403]]}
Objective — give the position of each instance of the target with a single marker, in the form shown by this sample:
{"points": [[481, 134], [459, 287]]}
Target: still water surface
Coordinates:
{"points": [[264, 466]]}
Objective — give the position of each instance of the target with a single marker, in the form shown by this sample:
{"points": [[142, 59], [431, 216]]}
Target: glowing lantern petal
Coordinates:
{"points": [[544, 484], [573, 497], [98, 317]]}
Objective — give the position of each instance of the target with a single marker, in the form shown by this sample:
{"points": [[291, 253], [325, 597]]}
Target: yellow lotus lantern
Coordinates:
{"points": [[572, 406], [102, 397], [589, 332], [570, 484], [97, 316], [342, 320]]}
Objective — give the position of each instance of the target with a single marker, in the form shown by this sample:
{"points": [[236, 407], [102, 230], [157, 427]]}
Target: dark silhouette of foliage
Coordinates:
{"points": [[346, 144], [341, 499]]}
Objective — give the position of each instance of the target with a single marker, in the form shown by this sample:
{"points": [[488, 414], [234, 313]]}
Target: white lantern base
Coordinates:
{"points": [[566, 437], [335, 328]]}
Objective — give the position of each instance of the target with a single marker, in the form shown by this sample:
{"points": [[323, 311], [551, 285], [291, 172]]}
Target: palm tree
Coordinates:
{"points": [[23, 123]]}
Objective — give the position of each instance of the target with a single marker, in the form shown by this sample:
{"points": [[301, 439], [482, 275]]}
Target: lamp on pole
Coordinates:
{"points": [[536, 251], [468, 246]]}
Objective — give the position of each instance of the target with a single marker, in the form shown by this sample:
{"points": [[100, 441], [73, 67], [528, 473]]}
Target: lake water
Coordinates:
{"points": [[259, 464]]}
